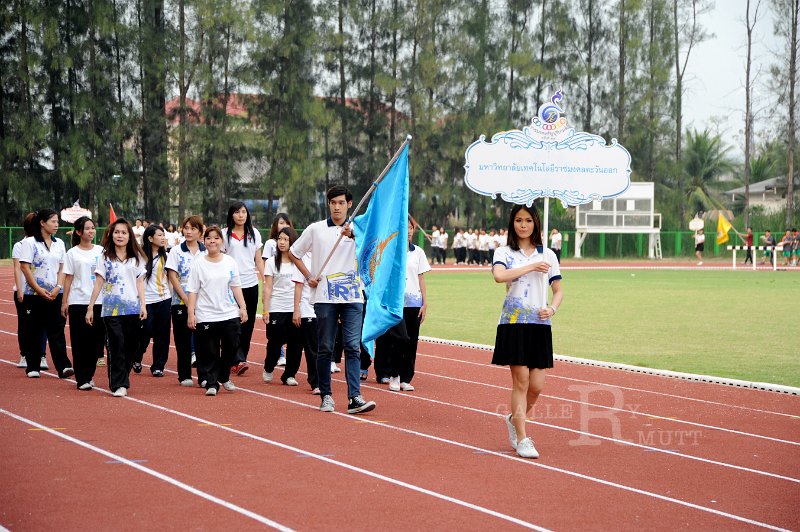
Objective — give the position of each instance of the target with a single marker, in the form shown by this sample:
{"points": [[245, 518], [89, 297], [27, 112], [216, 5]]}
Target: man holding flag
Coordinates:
{"points": [[336, 295]]}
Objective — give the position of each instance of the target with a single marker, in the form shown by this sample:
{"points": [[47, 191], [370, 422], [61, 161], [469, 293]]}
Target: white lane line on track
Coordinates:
{"points": [[552, 376], [623, 410], [320, 457], [152, 472], [472, 448]]}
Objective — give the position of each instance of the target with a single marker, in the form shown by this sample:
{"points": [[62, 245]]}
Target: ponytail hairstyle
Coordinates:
{"points": [[536, 236], [27, 224], [41, 216], [147, 249], [79, 226], [273, 232], [292, 234], [248, 223], [132, 249]]}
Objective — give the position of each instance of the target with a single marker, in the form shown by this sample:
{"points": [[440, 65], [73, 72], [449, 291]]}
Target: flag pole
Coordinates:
{"points": [[361, 203]]}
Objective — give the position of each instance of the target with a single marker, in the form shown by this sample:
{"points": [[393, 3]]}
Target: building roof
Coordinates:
{"points": [[772, 184]]}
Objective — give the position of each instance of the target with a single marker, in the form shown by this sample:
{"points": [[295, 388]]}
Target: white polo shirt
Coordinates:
{"points": [[16, 251], [212, 282], [245, 256], [44, 262], [81, 264], [416, 265], [306, 307], [180, 261], [339, 282], [270, 249], [282, 298], [524, 296]]}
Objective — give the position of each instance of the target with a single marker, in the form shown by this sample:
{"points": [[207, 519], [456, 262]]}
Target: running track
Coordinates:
{"points": [[618, 451]]}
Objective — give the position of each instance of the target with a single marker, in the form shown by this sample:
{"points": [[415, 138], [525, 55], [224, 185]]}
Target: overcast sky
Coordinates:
{"points": [[715, 96]]}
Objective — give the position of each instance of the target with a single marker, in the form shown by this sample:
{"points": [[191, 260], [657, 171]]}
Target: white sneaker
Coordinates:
{"points": [[394, 384], [512, 432], [193, 360], [92, 383], [406, 387], [33, 374], [187, 382], [335, 368], [315, 391], [22, 362], [291, 381], [211, 391], [526, 449], [266, 376], [282, 361], [229, 386], [700, 263], [202, 384], [120, 392], [86, 386], [43, 363]]}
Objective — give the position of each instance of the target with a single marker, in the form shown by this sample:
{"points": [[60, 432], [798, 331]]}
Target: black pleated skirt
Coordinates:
{"points": [[523, 344]]}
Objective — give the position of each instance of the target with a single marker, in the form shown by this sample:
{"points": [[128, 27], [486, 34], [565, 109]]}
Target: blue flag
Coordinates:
{"points": [[381, 249]]}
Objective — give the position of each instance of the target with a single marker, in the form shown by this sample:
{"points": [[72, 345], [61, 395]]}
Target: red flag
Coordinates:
{"points": [[112, 216]]}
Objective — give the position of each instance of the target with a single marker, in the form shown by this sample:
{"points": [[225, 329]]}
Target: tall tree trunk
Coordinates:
{"points": [[222, 197], [748, 109], [678, 89], [587, 120], [393, 97], [343, 99], [621, 89], [651, 92], [795, 7]]}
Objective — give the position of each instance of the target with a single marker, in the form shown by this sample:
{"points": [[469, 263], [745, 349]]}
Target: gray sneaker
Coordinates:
{"points": [[327, 404], [229, 386]]}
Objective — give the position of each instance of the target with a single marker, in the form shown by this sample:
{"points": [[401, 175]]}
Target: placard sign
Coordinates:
{"points": [[547, 159]]}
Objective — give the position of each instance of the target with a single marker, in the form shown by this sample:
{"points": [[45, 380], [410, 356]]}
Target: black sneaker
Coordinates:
{"points": [[158, 373], [137, 367], [67, 373], [357, 405]]}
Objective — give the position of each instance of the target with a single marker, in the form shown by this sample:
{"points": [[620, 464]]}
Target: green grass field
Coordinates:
{"points": [[741, 325]]}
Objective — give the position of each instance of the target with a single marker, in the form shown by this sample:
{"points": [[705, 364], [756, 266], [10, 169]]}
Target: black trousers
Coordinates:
{"points": [[251, 302], [183, 335], [749, 256], [123, 343], [216, 344], [308, 335], [156, 326], [88, 341], [396, 351], [23, 330], [45, 317], [461, 254], [281, 331], [558, 254]]}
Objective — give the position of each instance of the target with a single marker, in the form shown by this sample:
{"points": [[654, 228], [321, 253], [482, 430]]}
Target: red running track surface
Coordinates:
{"points": [[618, 451]]}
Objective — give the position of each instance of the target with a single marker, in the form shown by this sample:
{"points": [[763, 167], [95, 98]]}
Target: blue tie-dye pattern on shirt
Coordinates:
{"points": [[118, 299]]}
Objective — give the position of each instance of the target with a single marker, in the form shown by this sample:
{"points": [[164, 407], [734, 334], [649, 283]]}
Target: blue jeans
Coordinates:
{"points": [[328, 316]]}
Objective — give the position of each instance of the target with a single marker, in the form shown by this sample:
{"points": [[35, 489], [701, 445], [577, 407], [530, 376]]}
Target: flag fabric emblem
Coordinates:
{"points": [[112, 216], [723, 226], [381, 250]]}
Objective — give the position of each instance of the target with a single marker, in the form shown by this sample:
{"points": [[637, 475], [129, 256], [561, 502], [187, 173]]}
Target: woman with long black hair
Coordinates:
{"points": [[120, 276], [242, 243], [88, 341], [158, 298], [41, 261]]}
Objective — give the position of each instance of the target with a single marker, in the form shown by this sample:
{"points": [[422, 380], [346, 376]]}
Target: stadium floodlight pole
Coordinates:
{"points": [[361, 203]]}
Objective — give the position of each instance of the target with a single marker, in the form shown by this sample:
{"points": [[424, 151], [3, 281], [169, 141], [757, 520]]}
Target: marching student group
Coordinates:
{"points": [[202, 283]]}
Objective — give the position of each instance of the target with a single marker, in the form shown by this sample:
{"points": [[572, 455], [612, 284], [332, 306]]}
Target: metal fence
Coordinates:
{"points": [[599, 245]]}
